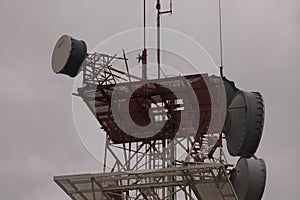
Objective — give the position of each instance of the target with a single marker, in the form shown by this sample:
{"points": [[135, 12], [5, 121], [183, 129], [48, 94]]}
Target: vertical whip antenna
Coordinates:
{"points": [[159, 13], [220, 141], [144, 54], [158, 6], [144, 24], [221, 39]]}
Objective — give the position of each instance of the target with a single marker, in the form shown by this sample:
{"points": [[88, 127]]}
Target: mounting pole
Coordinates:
{"points": [[220, 140], [221, 39], [144, 54], [158, 7]]}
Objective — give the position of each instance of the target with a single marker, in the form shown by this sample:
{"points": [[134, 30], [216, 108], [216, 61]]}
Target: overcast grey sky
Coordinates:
{"points": [[38, 139]]}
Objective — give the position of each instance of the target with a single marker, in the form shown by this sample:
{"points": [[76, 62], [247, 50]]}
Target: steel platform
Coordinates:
{"points": [[198, 181]]}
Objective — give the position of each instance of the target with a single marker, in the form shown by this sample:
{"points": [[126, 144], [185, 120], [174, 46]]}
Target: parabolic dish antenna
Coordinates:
{"points": [[68, 56], [249, 178], [244, 124]]}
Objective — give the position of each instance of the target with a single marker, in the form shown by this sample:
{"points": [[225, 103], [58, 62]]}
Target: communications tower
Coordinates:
{"points": [[165, 136]]}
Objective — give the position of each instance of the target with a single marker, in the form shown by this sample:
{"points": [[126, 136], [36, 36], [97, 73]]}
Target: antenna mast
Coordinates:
{"points": [[221, 39], [144, 54], [159, 13]]}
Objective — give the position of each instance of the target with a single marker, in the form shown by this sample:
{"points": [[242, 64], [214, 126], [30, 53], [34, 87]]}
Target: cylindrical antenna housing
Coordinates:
{"points": [[244, 124], [249, 178], [68, 56]]}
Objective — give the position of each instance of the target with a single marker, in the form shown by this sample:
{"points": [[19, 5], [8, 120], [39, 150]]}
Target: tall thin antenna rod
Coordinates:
{"points": [[144, 24], [144, 54], [158, 7], [220, 141], [221, 39]]}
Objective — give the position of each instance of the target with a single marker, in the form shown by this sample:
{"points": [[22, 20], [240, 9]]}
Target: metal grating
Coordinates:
{"points": [[206, 181]]}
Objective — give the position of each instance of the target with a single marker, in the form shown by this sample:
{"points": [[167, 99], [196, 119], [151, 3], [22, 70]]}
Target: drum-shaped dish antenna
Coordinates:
{"points": [[68, 56], [249, 179], [244, 124]]}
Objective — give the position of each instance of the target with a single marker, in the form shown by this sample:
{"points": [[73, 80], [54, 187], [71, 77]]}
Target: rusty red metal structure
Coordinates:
{"points": [[100, 78]]}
